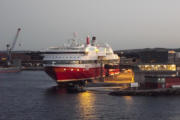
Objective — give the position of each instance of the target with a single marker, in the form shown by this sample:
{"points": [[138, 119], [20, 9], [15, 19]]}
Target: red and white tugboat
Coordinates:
{"points": [[74, 64]]}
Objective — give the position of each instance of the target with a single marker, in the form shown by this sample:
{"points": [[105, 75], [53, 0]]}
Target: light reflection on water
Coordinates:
{"points": [[86, 105], [81, 103], [128, 102], [129, 99], [26, 97], [91, 105]]}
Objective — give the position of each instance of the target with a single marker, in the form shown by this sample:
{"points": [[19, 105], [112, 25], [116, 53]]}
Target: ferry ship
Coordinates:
{"points": [[76, 63]]}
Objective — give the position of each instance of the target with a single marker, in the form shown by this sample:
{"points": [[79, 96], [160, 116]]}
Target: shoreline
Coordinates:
{"points": [[147, 92]]}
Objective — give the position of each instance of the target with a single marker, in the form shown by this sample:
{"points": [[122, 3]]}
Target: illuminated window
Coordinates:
{"points": [[171, 52], [157, 67]]}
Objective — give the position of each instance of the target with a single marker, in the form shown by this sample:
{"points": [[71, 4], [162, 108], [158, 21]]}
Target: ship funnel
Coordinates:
{"points": [[87, 40], [93, 40]]}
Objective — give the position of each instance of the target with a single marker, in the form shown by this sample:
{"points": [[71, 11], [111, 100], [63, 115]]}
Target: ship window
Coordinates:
{"points": [[88, 61], [71, 62], [74, 62]]}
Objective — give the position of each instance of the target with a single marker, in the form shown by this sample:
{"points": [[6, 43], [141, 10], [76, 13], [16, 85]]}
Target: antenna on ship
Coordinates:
{"points": [[75, 34], [77, 40], [73, 41]]}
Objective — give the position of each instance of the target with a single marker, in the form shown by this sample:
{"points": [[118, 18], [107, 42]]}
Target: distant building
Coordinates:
{"points": [[161, 82], [158, 62], [27, 58], [171, 56]]}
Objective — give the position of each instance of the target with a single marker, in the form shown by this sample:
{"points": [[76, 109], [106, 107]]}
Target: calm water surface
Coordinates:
{"points": [[31, 96]]}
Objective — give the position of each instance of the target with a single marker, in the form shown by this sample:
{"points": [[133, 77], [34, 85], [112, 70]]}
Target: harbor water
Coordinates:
{"points": [[31, 95]]}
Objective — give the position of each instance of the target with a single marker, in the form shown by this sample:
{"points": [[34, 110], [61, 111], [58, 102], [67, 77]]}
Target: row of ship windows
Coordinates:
{"points": [[70, 62], [77, 61], [74, 69], [62, 57]]}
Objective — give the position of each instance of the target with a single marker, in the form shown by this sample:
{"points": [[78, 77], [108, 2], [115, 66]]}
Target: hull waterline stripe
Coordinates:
{"points": [[74, 80]]}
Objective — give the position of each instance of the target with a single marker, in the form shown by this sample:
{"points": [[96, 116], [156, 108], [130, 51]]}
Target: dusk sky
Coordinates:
{"points": [[124, 24]]}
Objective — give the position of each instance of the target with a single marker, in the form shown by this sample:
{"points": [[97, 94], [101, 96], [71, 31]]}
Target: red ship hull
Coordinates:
{"points": [[69, 74]]}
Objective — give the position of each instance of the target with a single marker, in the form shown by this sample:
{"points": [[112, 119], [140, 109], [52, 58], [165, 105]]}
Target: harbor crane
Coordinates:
{"points": [[10, 48]]}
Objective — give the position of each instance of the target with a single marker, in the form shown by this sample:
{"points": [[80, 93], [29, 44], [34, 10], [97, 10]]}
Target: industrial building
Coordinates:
{"points": [[152, 65]]}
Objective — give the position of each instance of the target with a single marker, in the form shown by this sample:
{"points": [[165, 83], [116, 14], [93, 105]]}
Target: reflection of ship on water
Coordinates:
{"points": [[11, 65], [74, 63]]}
